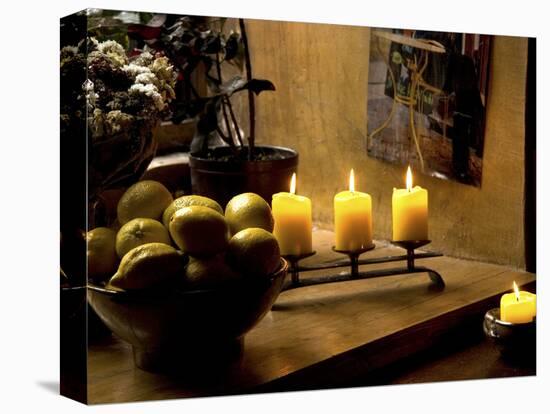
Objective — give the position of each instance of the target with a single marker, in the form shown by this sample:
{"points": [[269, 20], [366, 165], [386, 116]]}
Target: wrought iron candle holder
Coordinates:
{"points": [[354, 262]]}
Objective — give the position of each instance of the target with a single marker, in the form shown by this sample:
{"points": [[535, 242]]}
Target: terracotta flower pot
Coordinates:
{"points": [[221, 178]]}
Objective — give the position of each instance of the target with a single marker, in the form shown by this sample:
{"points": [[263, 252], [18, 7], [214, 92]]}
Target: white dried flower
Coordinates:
{"points": [[145, 59], [144, 89], [149, 90], [111, 46], [97, 127], [91, 96], [69, 51], [147, 78], [133, 70], [118, 60], [66, 54], [118, 121], [163, 70]]}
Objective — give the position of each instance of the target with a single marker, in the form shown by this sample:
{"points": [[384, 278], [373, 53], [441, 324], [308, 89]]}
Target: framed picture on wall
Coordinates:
{"points": [[426, 101]]}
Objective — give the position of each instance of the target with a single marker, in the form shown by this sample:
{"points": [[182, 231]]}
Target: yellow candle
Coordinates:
{"points": [[410, 212], [352, 218], [518, 307], [292, 216]]}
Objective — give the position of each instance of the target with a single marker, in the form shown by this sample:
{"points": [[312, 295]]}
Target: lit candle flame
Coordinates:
{"points": [[516, 291], [293, 184], [351, 181], [409, 179]]}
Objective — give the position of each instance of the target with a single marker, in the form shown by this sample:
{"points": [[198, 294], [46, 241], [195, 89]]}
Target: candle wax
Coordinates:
{"points": [[518, 311], [410, 214], [293, 226], [352, 220]]}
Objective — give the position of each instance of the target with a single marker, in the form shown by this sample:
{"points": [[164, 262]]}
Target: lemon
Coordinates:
{"points": [[248, 210], [148, 265], [199, 231], [209, 272], [140, 231], [186, 201], [145, 199], [254, 251], [101, 253]]}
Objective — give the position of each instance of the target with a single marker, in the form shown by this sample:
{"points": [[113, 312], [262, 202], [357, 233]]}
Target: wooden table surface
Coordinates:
{"points": [[332, 335]]}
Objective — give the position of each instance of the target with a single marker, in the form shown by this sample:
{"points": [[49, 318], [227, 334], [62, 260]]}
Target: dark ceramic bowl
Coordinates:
{"points": [[514, 340], [171, 328]]}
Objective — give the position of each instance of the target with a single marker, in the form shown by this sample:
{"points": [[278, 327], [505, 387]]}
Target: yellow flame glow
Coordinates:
{"points": [[409, 179], [516, 291], [293, 184], [351, 181]]}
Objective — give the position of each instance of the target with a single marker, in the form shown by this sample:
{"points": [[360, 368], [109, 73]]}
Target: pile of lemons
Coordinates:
{"points": [[189, 240]]}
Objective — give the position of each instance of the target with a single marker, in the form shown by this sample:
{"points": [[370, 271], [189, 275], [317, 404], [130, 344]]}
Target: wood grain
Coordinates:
{"points": [[317, 333], [320, 109], [406, 40]]}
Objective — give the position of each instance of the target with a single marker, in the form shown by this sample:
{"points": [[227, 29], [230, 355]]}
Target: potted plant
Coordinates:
{"points": [[115, 101], [223, 161]]}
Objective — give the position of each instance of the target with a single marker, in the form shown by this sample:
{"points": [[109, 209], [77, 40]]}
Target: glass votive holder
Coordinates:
{"points": [[516, 341]]}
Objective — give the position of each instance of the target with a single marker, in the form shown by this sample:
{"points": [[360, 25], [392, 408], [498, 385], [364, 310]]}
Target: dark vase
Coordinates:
{"points": [[221, 178]]}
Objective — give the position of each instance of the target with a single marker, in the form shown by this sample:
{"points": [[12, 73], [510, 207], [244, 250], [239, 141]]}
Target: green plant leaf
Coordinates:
{"points": [[211, 45], [232, 46], [207, 124], [238, 84]]}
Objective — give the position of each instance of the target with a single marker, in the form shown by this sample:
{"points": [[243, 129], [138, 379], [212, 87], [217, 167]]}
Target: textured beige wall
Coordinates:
{"points": [[319, 109]]}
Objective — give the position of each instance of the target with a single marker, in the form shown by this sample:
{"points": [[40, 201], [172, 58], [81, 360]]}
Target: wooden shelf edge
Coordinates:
{"points": [[376, 355]]}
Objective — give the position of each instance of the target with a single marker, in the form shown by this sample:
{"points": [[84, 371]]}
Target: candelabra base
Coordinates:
{"points": [[354, 262]]}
